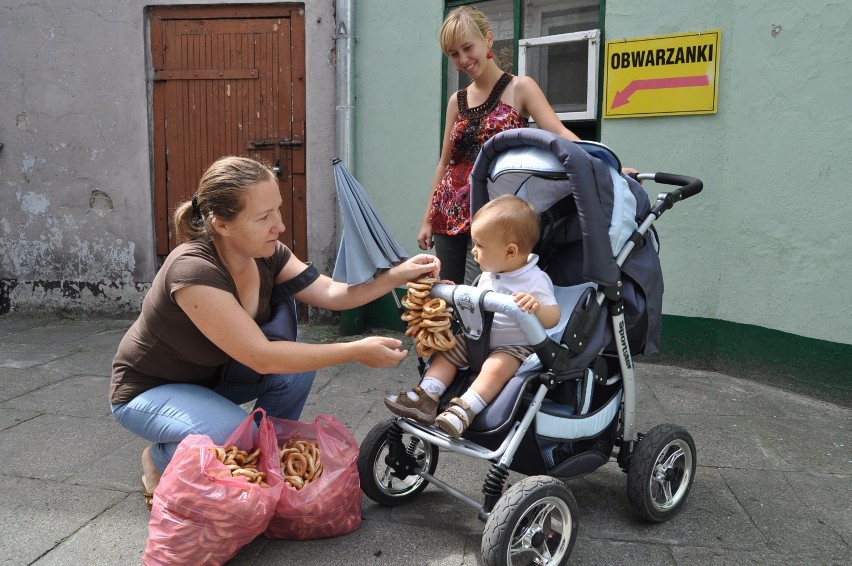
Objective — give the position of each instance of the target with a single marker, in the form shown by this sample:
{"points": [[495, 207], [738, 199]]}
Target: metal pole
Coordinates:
{"points": [[345, 48]]}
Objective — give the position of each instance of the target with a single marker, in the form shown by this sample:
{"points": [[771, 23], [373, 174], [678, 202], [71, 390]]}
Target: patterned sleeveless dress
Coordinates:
{"points": [[473, 127]]}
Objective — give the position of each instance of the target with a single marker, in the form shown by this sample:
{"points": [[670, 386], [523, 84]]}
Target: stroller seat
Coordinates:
{"points": [[502, 410]]}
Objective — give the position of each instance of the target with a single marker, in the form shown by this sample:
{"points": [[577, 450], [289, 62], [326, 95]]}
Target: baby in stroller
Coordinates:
{"points": [[504, 232]]}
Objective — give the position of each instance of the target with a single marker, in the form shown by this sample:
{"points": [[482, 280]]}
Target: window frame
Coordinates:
{"points": [[592, 37]]}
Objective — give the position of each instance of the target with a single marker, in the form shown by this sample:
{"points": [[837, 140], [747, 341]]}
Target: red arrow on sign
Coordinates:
{"points": [[622, 97]]}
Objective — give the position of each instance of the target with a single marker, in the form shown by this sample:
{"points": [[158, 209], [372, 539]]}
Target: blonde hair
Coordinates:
{"points": [[458, 22], [220, 194], [514, 218]]}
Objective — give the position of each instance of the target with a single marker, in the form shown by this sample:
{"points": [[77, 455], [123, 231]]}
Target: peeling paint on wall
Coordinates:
{"points": [[100, 202], [106, 298], [33, 203], [66, 260]]}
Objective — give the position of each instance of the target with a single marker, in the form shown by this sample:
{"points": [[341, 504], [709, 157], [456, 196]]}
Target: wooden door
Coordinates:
{"points": [[228, 80]]}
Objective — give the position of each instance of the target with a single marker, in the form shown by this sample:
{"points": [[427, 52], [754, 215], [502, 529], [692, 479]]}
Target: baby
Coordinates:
{"points": [[504, 232]]}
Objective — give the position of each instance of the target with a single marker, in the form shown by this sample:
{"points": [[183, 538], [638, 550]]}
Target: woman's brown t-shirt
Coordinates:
{"points": [[163, 345]]}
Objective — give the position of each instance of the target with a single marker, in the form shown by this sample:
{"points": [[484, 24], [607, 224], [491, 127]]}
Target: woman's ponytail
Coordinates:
{"points": [[187, 226]]}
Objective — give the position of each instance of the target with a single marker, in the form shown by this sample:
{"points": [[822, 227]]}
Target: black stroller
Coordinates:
{"points": [[571, 407]]}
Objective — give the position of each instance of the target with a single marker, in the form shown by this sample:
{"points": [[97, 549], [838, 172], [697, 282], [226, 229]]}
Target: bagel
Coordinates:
{"points": [[409, 315], [418, 293], [296, 464], [423, 351], [444, 341], [253, 455], [428, 338], [416, 301], [434, 306], [300, 462], [414, 329], [418, 285], [248, 474], [240, 463]]}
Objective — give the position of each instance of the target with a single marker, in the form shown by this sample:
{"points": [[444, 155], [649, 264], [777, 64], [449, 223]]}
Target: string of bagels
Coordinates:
{"points": [[428, 319]]}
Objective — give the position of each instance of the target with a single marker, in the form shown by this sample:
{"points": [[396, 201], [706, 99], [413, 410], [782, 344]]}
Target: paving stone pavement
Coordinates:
{"points": [[773, 484]]}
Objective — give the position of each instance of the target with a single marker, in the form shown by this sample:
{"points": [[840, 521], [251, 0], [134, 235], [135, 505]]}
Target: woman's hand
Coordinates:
{"points": [[379, 352], [419, 266], [424, 238], [631, 172]]}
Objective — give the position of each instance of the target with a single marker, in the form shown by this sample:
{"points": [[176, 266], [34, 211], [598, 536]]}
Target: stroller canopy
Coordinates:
{"points": [[606, 206]]}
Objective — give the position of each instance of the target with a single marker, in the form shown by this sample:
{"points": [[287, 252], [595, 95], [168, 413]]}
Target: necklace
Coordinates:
{"points": [[483, 109]]}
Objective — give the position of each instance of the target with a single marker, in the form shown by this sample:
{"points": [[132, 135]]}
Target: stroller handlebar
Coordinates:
{"points": [[475, 300], [690, 186]]}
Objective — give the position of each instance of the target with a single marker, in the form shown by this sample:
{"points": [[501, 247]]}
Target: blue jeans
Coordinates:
{"points": [[167, 414]]}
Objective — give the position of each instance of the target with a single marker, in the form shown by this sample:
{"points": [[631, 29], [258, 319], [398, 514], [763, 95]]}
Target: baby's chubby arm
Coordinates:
{"points": [[548, 315]]}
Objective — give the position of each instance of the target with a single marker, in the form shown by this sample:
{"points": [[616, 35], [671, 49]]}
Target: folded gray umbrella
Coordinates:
{"points": [[366, 248]]}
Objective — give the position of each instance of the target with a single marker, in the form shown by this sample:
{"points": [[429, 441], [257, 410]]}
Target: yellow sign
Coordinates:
{"points": [[662, 75]]}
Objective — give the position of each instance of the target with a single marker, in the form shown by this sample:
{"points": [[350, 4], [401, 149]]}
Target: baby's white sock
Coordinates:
{"points": [[429, 385], [473, 399], [476, 403]]}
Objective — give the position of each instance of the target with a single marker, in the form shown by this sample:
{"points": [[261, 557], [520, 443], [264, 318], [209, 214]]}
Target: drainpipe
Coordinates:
{"points": [[345, 48]]}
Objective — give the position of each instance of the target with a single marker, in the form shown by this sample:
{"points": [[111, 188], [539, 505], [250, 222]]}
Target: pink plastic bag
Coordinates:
{"points": [[328, 506], [202, 514]]}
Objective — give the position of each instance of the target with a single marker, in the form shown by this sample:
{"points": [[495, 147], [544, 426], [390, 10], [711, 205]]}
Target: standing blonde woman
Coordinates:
{"points": [[198, 350], [495, 101]]}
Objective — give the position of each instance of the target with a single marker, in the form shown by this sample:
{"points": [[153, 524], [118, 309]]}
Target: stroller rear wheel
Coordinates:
{"points": [[661, 472], [380, 481], [534, 522]]}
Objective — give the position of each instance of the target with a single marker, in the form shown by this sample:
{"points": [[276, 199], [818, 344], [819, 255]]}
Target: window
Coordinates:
{"points": [[565, 66], [557, 43], [559, 48]]}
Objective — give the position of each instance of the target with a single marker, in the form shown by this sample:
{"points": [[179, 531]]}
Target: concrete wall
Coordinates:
{"points": [[76, 230], [767, 242]]}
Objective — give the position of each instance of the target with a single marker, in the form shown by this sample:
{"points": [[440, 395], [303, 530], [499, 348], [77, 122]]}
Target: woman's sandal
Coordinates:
{"points": [[148, 494], [459, 412]]}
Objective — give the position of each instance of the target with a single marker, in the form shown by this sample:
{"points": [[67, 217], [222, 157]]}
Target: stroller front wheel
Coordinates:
{"points": [[661, 472], [380, 481], [534, 522]]}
